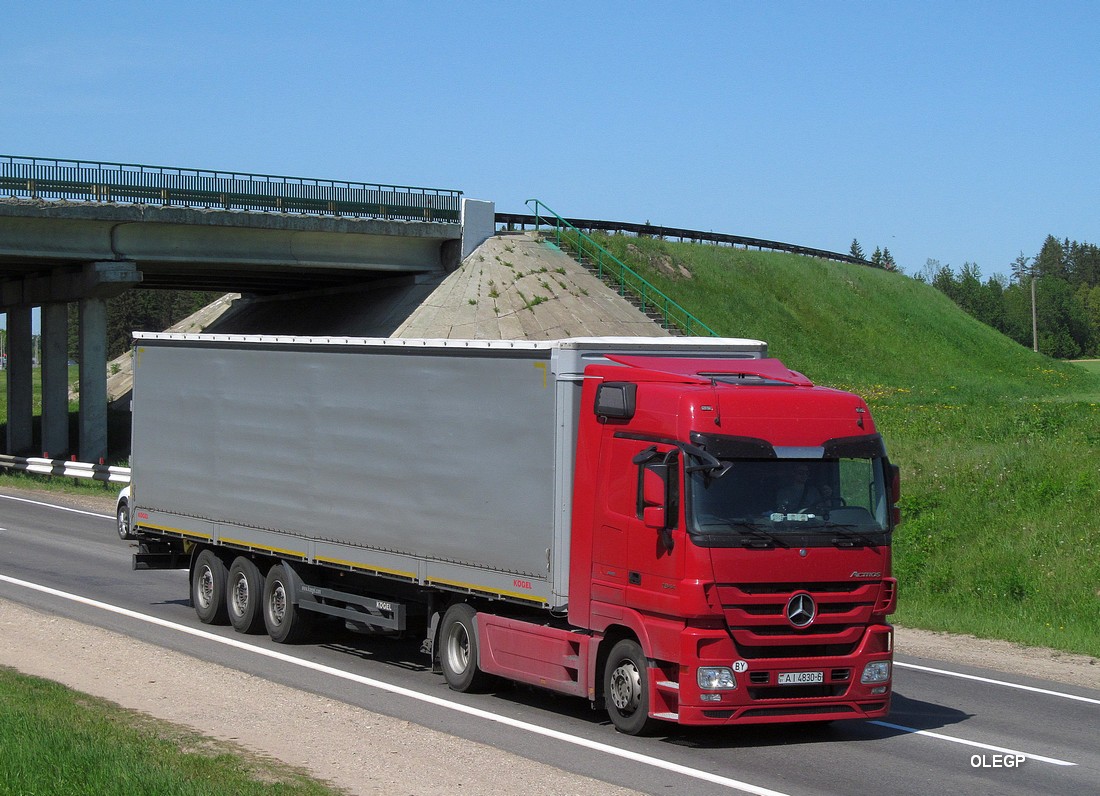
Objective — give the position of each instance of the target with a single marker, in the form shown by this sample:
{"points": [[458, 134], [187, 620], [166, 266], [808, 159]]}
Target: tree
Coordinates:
{"points": [[139, 310], [1051, 260], [944, 280], [1021, 268], [888, 260], [856, 250], [928, 272], [876, 258]]}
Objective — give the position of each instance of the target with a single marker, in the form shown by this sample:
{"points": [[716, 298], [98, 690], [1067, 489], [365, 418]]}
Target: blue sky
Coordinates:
{"points": [[959, 131]]}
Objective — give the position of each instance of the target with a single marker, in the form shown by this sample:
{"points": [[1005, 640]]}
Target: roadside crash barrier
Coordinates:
{"points": [[67, 469]]}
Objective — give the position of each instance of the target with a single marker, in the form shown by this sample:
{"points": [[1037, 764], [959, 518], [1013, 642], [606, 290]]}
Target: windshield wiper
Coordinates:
{"points": [[759, 535], [851, 535]]}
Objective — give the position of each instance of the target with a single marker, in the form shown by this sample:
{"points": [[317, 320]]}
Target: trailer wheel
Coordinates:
{"points": [[458, 647], [244, 595], [626, 688], [284, 621], [208, 588]]}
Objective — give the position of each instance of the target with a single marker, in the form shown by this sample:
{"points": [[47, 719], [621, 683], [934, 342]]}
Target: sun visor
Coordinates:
{"points": [[728, 370]]}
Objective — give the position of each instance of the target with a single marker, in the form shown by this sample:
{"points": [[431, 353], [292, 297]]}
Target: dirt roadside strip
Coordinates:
{"points": [[355, 750]]}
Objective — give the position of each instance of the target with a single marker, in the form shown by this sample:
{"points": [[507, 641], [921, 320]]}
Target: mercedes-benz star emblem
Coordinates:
{"points": [[801, 610]]}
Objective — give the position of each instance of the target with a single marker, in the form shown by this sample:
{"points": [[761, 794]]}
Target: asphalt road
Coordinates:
{"points": [[949, 733]]}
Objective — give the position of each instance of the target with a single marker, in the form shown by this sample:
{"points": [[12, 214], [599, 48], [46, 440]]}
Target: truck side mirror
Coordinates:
{"points": [[654, 517], [654, 496], [894, 474]]}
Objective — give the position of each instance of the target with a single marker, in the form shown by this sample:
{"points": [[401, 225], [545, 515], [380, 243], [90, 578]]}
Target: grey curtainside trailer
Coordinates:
{"points": [[445, 464]]}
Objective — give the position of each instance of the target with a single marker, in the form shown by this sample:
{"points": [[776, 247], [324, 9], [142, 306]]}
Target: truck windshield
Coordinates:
{"points": [[775, 497]]}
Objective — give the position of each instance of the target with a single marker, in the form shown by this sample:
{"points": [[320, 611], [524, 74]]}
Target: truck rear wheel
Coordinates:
{"points": [[284, 621], [208, 588], [458, 649], [244, 594], [626, 688]]}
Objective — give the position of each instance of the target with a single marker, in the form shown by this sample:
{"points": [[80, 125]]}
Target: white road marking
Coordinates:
{"points": [[655, 762], [1063, 695], [964, 742], [55, 506]]}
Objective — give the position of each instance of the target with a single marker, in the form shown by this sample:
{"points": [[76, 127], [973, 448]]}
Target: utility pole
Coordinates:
{"points": [[1034, 322]]}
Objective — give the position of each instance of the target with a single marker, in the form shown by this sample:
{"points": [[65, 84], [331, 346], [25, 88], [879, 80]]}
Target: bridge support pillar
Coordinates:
{"points": [[55, 380], [92, 346], [20, 388]]}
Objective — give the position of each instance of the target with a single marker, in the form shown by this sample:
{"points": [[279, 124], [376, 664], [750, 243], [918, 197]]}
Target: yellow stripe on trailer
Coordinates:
{"points": [[254, 546], [365, 567], [176, 531], [485, 590]]}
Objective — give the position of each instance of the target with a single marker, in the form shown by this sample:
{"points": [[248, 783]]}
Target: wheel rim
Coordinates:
{"points": [[205, 590], [122, 529], [278, 604], [240, 596], [626, 687], [458, 648]]}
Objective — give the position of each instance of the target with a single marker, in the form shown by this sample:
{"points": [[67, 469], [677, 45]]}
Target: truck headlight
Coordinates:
{"points": [[715, 677], [875, 672]]}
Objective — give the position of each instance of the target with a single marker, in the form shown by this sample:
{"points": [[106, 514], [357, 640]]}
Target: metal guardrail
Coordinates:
{"points": [[566, 235], [60, 467], [656, 231], [88, 181]]}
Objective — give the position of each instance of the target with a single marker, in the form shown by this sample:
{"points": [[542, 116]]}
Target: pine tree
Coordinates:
{"points": [[888, 260], [856, 250], [876, 258]]}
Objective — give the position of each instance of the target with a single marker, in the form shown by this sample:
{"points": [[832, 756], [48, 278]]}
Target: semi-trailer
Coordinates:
{"points": [[679, 529]]}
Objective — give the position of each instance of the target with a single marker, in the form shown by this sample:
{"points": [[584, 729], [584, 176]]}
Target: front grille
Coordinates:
{"points": [[756, 616], [756, 652], [798, 711], [799, 691]]}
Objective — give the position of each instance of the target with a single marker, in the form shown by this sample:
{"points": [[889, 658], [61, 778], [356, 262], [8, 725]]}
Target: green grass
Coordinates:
{"points": [[998, 446], [118, 423], [58, 742], [1091, 365]]}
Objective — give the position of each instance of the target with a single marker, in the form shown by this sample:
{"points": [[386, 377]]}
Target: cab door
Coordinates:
{"points": [[655, 533]]}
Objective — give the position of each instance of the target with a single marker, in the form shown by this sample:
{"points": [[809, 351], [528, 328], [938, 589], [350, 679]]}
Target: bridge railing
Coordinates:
{"points": [[700, 236], [46, 178], [624, 278]]}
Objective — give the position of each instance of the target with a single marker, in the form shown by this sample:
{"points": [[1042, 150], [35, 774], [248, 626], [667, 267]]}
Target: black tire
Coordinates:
{"points": [[208, 581], [122, 515], [458, 650], [285, 622], [244, 596], [626, 688]]}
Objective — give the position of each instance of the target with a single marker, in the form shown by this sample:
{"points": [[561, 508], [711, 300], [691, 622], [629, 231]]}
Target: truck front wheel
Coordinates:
{"points": [[626, 688], [208, 588], [244, 595], [458, 648], [284, 621]]}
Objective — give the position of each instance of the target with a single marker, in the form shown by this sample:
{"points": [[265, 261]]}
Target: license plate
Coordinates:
{"points": [[798, 678]]}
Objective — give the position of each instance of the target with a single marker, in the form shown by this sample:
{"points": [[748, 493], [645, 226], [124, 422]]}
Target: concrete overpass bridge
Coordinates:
{"points": [[81, 232]]}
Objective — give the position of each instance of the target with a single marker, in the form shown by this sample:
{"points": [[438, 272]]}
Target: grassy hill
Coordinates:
{"points": [[999, 447]]}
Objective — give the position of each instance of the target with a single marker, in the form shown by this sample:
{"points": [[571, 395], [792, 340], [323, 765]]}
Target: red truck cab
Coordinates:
{"points": [[730, 546]]}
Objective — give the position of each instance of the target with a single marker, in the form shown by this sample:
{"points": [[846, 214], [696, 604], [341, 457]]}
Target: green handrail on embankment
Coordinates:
{"points": [[620, 273]]}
